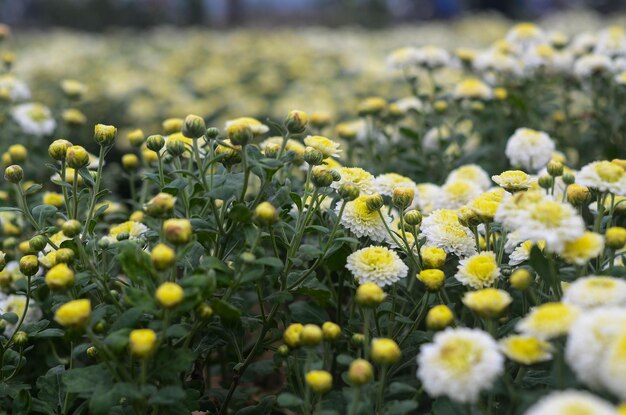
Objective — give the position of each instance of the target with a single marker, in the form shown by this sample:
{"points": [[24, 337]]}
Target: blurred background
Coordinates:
{"points": [[97, 15]]}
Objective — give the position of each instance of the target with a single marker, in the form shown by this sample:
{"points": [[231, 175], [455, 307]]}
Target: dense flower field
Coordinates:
{"points": [[404, 228]]}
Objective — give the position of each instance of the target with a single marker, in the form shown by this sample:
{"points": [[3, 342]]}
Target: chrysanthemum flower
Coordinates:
{"points": [[362, 221], [591, 64], [34, 118], [16, 303], [426, 195], [478, 271], [526, 34], [459, 364], [603, 176], [403, 58], [357, 177], [255, 125], [596, 291], [443, 230], [529, 149], [291, 145], [514, 180], [526, 350], [326, 146], [571, 402], [385, 183], [580, 250], [612, 370], [472, 173], [549, 320], [589, 338], [472, 88], [432, 57], [134, 230], [376, 264], [455, 194], [521, 253], [487, 302]]}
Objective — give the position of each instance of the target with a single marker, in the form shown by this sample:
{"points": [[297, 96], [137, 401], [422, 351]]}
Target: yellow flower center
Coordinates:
{"points": [[481, 267], [459, 356], [38, 113], [548, 213], [376, 256], [609, 172]]}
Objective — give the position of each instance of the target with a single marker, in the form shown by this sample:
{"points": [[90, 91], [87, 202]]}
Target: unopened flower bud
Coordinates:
{"points": [[331, 331], [77, 157], [58, 149], [162, 257], [369, 295], [92, 353], [18, 153], [73, 117], [71, 228], [615, 237], [439, 317], [175, 147], [37, 243], [283, 350], [433, 257], [265, 213], [64, 255], [311, 335], [578, 195], [467, 217], [59, 277], [357, 339], [371, 106], [374, 202], [212, 132], [568, 178], [74, 313], [29, 265], [239, 134], [313, 156], [155, 142], [271, 150], [336, 175], [130, 162], [161, 205], [555, 168], [177, 231], [142, 342], [546, 181], [433, 279], [361, 372], [321, 176], [172, 125], [413, 217], [193, 126], [319, 381], [136, 138], [13, 174], [169, 294], [104, 134], [319, 119], [20, 338], [521, 279], [204, 311], [349, 192], [440, 106], [296, 122], [385, 351], [403, 197], [291, 335]]}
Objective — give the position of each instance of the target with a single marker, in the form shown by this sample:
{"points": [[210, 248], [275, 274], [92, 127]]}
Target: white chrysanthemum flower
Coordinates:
{"points": [[459, 364], [549, 320], [472, 88], [471, 172], [255, 125], [478, 271], [525, 35], [581, 250], [443, 230], [589, 338], [612, 369], [18, 90], [529, 149], [571, 402], [17, 304], [604, 176], [403, 58], [620, 78], [611, 42], [514, 180], [409, 104], [513, 209], [455, 194], [432, 57], [357, 177], [133, 228], [521, 252], [435, 137], [596, 291], [583, 43], [547, 220], [376, 264], [326, 146], [526, 350], [34, 118], [591, 64], [426, 195], [386, 183], [499, 63], [364, 222]]}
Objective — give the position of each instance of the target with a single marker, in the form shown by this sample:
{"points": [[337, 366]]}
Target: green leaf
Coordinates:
{"points": [[49, 333], [33, 189], [400, 407], [540, 264], [42, 213], [288, 400], [168, 395], [51, 387], [135, 262], [83, 381], [305, 313], [127, 319], [226, 310], [270, 261], [10, 317]]}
